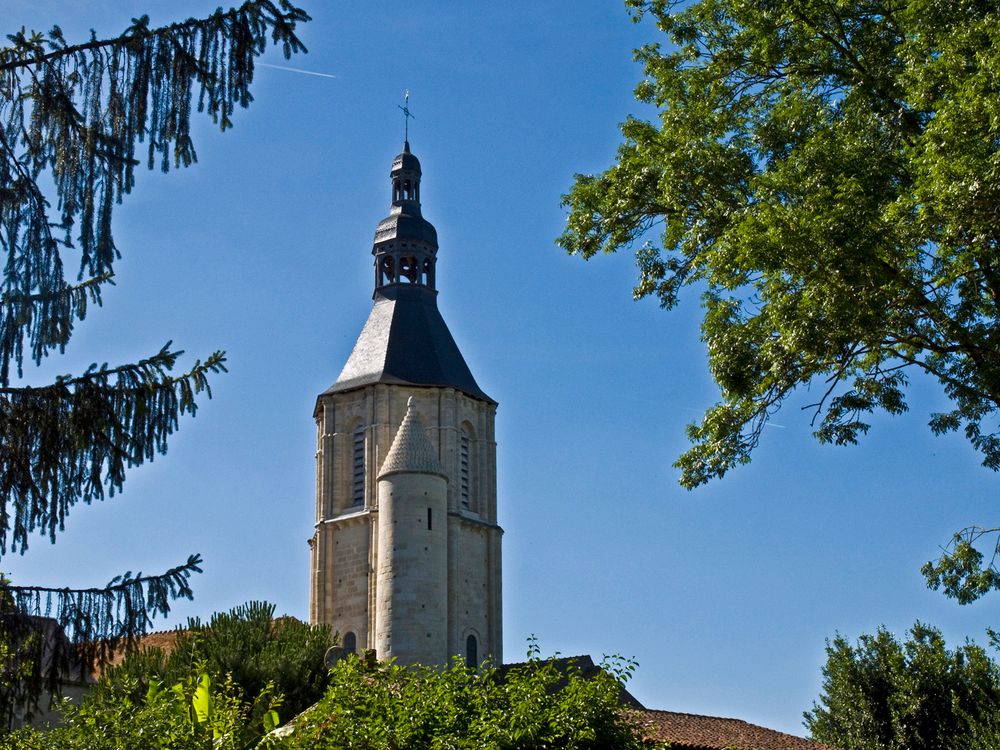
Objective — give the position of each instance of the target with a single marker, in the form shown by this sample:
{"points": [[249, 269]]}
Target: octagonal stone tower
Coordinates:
{"points": [[406, 549]]}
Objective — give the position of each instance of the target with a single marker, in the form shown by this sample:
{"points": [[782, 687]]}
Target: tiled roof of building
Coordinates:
{"points": [[695, 732], [161, 639]]}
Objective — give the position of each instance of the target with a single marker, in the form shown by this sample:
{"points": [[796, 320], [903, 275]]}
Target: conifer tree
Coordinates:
{"points": [[76, 121]]}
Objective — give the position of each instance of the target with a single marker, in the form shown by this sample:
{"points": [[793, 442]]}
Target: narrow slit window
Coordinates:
{"points": [[429, 519], [471, 652]]}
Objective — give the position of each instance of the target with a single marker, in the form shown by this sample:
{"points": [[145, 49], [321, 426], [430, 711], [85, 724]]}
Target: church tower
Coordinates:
{"points": [[406, 549]]}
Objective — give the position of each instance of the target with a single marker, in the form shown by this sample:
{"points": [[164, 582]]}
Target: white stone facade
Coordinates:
{"points": [[430, 601]]}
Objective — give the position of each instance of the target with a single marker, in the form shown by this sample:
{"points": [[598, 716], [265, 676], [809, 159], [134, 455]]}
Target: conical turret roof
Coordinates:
{"points": [[411, 451]]}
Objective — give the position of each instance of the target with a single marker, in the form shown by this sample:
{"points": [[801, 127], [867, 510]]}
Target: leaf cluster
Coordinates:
{"points": [[195, 713], [881, 694], [365, 705], [962, 570], [826, 173], [533, 705], [263, 657]]}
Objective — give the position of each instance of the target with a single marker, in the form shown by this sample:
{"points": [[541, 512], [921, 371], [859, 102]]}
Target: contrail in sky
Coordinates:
{"points": [[297, 70]]}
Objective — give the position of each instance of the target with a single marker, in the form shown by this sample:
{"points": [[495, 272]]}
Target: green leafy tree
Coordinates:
{"points": [[76, 120], [195, 713], [825, 173], [881, 694], [260, 655], [535, 705], [367, 705]]}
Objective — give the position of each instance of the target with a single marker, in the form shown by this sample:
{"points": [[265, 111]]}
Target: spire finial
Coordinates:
{"points": [[405, 106]]}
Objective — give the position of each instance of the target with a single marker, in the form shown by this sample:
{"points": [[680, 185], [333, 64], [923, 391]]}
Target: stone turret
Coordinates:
{"points": [[411, 616]]}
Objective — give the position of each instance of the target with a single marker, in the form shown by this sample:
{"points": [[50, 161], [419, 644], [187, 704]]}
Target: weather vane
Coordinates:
{"points": [[405, 106]]}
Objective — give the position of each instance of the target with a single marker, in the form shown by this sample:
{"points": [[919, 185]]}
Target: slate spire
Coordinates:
{"points": [[405, 340]]}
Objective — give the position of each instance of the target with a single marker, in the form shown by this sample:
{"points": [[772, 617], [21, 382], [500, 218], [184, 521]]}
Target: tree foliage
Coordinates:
{"points": [[261, 656], [960, 571], [881, 694], [72, 120], [827, 173], [195, 713], [367, 705], [533, 705]]}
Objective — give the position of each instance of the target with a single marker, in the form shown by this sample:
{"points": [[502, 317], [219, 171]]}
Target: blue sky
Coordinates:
{"points": [[724, 595]]}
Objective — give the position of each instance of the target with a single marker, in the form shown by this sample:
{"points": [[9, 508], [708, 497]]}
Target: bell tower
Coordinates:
{"points": [[406, 547]]}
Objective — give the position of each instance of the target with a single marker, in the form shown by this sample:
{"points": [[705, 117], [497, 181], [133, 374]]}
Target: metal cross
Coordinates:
{"points": [[405, 106]]}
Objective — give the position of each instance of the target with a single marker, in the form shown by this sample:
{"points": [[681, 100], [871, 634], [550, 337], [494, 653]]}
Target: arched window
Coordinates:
{"points": [[428, 274], [388, 269], [471, 652], [408, 269], [358, 465], [350, 643]]}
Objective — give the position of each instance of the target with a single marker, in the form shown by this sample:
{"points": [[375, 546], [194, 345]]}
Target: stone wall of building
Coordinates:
{"points": [[346, 546]]}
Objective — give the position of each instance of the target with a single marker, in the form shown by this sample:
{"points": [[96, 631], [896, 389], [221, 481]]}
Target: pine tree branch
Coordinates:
{"points": [[48, 317], [72, 117], [140, 29], [99, 618], [134, 375], [75, 115], [73, 440], [55, 635], [91, 285]]}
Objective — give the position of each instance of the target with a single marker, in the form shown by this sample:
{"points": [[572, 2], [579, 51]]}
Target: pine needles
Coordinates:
{"points": [[76, 120]]}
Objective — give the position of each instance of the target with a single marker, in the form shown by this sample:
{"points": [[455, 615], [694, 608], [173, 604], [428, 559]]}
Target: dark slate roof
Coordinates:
{"points": [[406, 342], [694, 732], [405, 222], [406, 160]]}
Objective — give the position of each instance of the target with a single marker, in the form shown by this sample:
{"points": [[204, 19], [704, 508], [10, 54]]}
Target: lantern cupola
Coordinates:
{"points": [[405, 246]]}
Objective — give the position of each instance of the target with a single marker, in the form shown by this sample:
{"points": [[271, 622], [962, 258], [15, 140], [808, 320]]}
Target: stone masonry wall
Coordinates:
{"points": [[346, 547]]}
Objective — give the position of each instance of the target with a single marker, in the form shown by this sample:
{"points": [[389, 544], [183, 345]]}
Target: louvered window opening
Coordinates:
{"points": [[358, 495], [464, 471]]}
